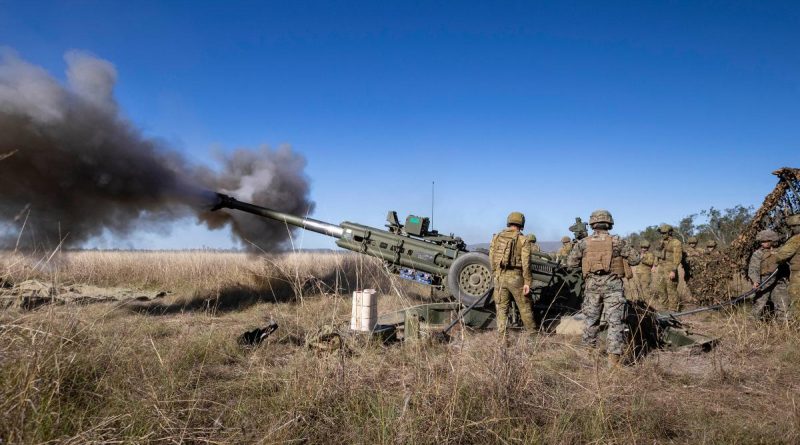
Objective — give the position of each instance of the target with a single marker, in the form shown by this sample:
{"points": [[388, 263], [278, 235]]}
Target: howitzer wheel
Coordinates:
{"points": [[470, 277]]}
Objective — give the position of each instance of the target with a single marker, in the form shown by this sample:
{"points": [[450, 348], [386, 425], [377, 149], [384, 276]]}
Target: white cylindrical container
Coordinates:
{"points": [[364, 315]]}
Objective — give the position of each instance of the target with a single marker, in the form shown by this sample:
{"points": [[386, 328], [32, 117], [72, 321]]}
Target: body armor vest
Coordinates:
{"points": [[768, 262], [598, 257], [507, 253]]}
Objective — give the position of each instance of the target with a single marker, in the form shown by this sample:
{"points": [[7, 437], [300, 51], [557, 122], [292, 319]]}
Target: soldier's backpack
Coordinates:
{"points": [[503, 250]]}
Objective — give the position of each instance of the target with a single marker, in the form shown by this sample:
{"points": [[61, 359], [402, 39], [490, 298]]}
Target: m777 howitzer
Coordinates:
{"points": [[415, 252]]}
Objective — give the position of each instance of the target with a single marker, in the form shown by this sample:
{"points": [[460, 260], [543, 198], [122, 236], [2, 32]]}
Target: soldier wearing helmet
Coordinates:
{"points": [[667, 262], [642, 273], [711, 247], [563, 252], [510, 257], [789, 253], [534, 246], [763, 262], [602, 259]]}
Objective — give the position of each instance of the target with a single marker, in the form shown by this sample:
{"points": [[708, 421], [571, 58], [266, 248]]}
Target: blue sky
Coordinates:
{"points": [[653, 110]]}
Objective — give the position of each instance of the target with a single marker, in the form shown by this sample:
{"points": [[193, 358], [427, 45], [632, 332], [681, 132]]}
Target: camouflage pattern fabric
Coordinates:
{"points": [[668, 261], [604, 294], [509, 282], [509, 285], [776, 292], [642, 276], [563, 253], [790, 253]]}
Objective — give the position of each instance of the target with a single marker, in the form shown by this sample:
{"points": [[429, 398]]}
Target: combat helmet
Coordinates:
{"points": [[564, 239], [711, 243], [532, 238], [665, 228], [767, 235], [644, 243], [516, 218], [793, 220], [692, 240], [600, 216]]}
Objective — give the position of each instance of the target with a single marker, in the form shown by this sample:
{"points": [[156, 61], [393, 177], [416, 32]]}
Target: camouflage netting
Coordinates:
{"points": [[713, 270], [782, 202]]}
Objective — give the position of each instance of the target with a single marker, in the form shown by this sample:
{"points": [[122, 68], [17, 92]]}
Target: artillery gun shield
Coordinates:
{"points": [[470, 277]]}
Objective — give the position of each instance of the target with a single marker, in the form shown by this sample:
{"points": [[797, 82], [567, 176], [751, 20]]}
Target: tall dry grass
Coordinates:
{"points": [[107, 373]]}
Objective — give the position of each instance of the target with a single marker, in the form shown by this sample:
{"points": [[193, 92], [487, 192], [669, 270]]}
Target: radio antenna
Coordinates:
{"points": [[433, 194]]}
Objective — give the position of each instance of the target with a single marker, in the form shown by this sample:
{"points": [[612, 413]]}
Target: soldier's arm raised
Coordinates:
{"points": [[788, 250]]}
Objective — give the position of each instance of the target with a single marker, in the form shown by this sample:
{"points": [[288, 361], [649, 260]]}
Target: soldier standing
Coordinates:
{"points": [[668, 261], [534, 247], [510, 257], [601, 257], [563, 252], [642, 273], [790, 253], [692, 253], [763, 262]]}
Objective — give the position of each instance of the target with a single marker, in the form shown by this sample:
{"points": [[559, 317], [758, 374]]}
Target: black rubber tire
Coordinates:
{"points": [[470, 277]]}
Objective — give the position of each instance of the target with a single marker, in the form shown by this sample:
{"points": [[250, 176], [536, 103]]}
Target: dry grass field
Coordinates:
{"points": [[170, 370]]}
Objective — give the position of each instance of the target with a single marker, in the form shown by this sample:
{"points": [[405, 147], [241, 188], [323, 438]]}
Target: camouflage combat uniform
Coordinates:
{"points": [[534, 246], [510, 257], [642, 272], [563, 252], [668, 261], [762, 264], [691, 254], [790, 253], [601, 258]]}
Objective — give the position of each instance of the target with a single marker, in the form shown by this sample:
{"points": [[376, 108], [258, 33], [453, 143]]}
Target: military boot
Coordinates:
{"points": [[614, 360]]}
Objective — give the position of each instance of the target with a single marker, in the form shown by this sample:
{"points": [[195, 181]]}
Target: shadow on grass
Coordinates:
{"points": [[237, 297]]}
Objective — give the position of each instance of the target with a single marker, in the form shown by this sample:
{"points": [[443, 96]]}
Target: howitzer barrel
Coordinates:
{"points": [[311, 224]]}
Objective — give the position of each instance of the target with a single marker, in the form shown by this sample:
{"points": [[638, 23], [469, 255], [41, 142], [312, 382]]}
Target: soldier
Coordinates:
{"points": [[762, 264], [790, 253], [691, 261], [601, 257], [563, 252], [691, 247], [711, 247], [534, 247], [578, 230], [642, 273], [668, 261], [510, 257]]}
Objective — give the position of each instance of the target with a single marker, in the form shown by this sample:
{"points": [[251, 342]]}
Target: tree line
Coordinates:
{"points": [[720, 225]]}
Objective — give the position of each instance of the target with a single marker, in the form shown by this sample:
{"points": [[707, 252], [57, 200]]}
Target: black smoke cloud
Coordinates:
{"points": [[79, 167]]}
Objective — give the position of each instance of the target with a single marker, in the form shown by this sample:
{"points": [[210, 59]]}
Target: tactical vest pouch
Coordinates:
{"points": [[597, 256]]}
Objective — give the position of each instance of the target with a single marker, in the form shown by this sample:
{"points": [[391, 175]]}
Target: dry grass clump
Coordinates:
{"points": [[105, 373]]}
